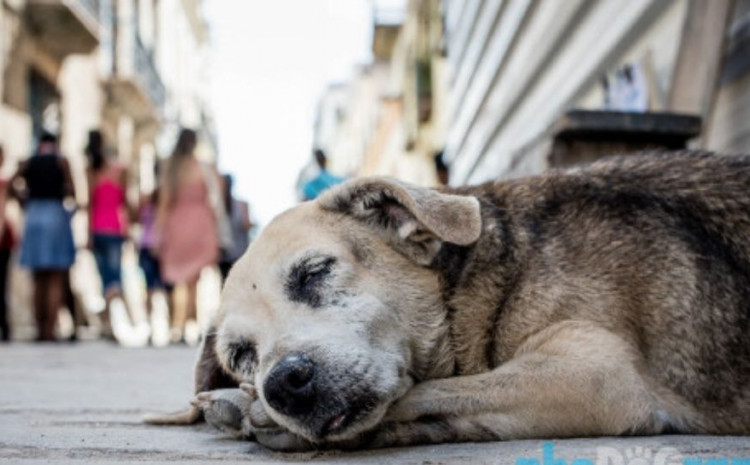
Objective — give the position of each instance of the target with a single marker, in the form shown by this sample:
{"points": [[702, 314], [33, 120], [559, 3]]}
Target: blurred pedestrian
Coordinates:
{"points": [[148, 258], [187, 225], [314, 187], [441, 169], [238, 212], [47, 246], [7, 243], [107, 181]]}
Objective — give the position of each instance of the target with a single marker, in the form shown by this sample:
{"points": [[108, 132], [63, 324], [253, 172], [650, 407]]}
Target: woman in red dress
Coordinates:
{"points": [[186, 223]]}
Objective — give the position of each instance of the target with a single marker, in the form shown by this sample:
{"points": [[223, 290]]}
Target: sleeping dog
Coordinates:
{"points": [[611, 299]]}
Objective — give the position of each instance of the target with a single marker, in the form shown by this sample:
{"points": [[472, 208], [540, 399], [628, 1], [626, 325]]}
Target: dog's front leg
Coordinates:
{"points": [[239, 413], [573, 379]]}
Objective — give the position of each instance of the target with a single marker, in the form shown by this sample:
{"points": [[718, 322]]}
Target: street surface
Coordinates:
{"points": [[83, 403]]}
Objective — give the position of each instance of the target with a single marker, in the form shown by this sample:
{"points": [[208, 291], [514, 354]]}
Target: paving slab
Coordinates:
{"points": [[83, 403]]}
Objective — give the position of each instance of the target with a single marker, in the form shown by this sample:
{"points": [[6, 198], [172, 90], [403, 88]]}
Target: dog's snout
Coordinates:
{"points": [[290, 386]]}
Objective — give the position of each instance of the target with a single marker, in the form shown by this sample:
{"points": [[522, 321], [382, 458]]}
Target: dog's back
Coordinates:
{"points": [[653, 247]]}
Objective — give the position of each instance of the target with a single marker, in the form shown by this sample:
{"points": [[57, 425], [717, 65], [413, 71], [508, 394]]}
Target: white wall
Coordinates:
{"points": [[519, 64]]}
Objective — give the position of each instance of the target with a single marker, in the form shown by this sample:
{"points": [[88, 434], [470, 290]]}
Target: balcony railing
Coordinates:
{"points": [[65, 27], [133, 79], [147, 74]]}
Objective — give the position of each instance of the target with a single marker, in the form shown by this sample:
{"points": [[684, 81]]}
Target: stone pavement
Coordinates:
{"points": [[83, 403]]}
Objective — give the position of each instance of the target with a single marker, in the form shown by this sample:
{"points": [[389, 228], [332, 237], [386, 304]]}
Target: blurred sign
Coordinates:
{"points": [[627, 89]]}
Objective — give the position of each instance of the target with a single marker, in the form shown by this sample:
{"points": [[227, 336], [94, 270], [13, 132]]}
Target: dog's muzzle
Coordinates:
{"points": [[301, 389]]}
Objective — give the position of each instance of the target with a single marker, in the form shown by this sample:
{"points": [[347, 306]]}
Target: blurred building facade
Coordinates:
{"points": [[510, 88], [137, 70], [155, 69], [518, 66], [390, 118], [39, 46]]}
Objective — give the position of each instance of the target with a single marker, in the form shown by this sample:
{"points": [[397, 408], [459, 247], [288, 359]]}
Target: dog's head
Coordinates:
{"points": [[334, 308]]}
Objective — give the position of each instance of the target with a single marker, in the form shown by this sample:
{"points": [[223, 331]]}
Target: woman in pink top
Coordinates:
{"points": [[107, 220], [186, 223]]}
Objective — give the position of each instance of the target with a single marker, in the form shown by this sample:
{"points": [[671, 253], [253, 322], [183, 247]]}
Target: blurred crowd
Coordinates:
{"points": [[191, 221]]}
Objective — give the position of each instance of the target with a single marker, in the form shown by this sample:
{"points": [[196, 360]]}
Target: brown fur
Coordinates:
{"points": [[602, 300]]}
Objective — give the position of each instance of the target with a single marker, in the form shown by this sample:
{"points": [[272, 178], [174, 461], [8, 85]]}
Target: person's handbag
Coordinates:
{"points": [[223, 227]]}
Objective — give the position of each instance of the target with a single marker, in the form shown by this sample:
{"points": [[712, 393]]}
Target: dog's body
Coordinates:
{"points": [[604, 300]]}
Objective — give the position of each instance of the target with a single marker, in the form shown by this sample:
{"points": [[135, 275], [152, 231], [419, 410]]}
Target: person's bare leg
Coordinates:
{"points": [[191, 331], [5, 330], [112, 295], [159, 317], [172, 312], [179, 311], [106, 323], [150, 312], [54, 300], [70, 304], [192, 300], [41, 286], [149, 302], [123, 329]]}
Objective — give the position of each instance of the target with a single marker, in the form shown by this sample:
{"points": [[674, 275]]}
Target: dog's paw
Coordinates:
{"points": [[283, 441], [255, 418], [266, 431], [240, 413], [225, 410]]}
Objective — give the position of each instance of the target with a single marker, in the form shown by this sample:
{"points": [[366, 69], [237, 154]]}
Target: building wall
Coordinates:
{"points": [[330, 115], [519, 64], [20, 54], [71, 74], [419, 81], [392, 117], [729, 127], [79, 83], [355, 134], [102, 85], [183, 60], [74, 78]]}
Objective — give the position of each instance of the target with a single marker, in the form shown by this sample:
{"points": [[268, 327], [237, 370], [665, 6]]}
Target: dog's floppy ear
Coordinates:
{"points": [[418, 217], [209, 373], [209, 376]]}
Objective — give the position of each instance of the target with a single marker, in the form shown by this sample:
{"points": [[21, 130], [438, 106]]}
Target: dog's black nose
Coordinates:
{"points": [[290, 386]]}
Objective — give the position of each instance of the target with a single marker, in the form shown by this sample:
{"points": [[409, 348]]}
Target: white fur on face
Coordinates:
{"points": [[351, 329]]}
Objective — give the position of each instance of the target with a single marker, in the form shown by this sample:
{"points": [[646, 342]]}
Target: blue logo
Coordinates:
{"points": [[548, 458], [629, 456]]}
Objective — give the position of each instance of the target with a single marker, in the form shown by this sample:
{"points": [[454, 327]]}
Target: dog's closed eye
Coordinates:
{"points": [[242, 356], [305, 278]]}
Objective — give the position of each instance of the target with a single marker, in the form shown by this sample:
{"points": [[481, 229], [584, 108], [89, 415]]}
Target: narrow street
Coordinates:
{"points": [[83, 404]]}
